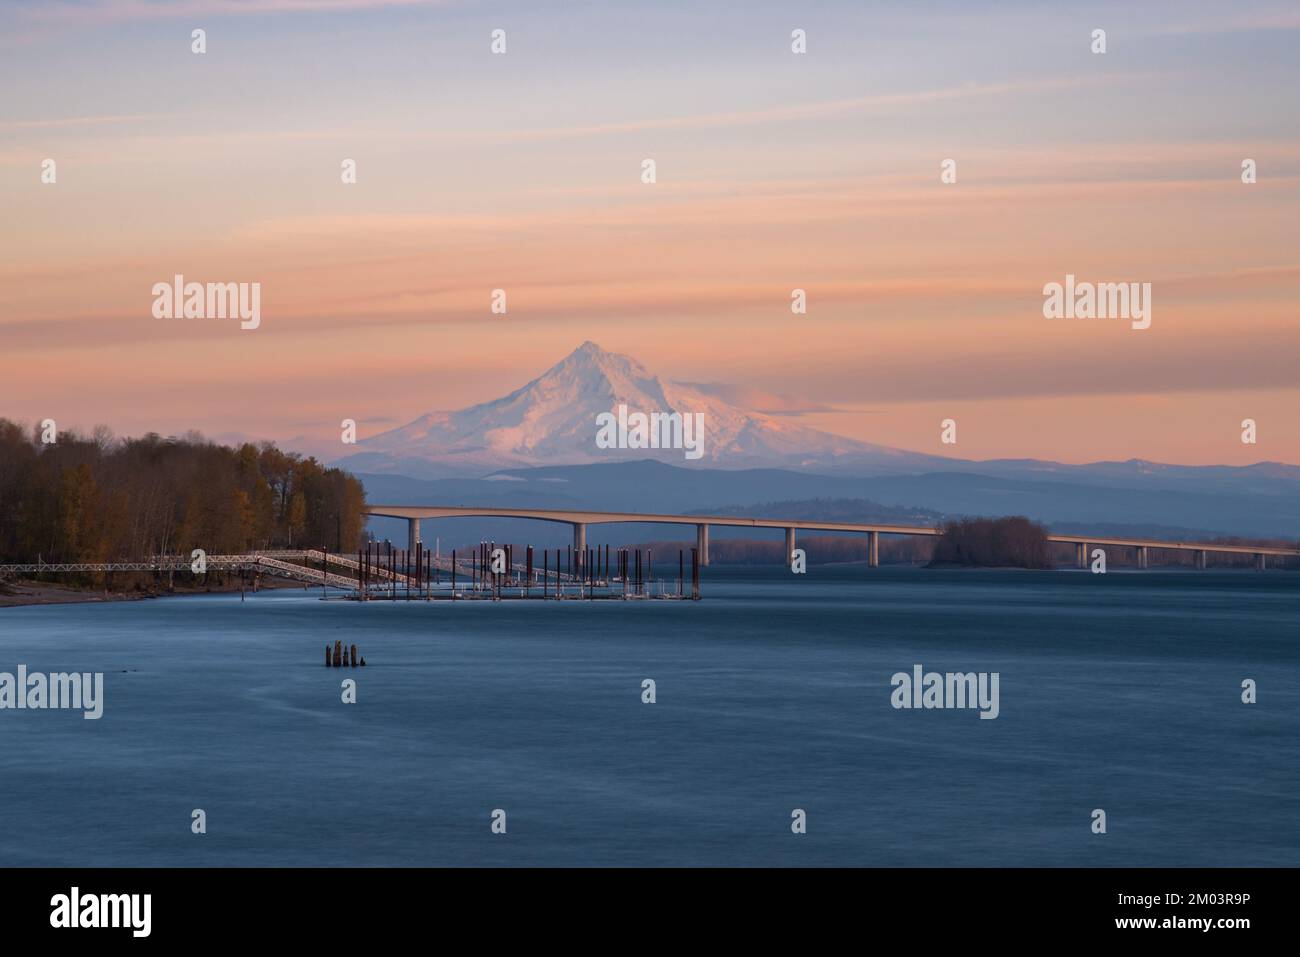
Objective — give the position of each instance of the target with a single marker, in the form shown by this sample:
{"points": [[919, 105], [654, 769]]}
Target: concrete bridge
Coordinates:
{"points": [[580, 519]]}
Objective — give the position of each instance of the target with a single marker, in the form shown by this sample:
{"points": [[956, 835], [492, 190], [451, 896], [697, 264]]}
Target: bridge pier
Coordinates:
{"points": [[579, 543], [873, 549], [1200, 559], [1261, 562], [702, 543], [1081, 554], [412, 534], [789, 546], [1142, 559]]}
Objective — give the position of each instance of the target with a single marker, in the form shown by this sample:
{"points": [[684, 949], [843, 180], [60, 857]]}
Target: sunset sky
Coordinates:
{"points": [[775, 171]]}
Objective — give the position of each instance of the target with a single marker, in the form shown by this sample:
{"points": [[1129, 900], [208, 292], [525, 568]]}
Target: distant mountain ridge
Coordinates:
{"points": [[1068, 500]]}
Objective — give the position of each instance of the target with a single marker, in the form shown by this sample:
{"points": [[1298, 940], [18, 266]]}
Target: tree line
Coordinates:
{"points": [[100, 499], [1014, 542]]}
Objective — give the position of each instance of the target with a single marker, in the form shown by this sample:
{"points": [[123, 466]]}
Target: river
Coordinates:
{"points": [[1120, 692]]}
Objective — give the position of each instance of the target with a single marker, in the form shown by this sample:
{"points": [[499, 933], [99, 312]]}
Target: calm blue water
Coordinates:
{"points": [[1119, 691]]}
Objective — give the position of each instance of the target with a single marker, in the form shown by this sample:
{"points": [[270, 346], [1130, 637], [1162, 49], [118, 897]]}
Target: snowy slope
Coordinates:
{"points": [[552, 421]]}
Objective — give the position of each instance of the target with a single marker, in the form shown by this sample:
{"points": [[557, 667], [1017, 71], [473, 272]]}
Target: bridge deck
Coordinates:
{"points": [[584, 517]]}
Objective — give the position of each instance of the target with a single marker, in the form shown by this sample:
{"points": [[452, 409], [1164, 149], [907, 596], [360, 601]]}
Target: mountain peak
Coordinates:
{"points": [[591, 355], [589, 370], [552, 421]]}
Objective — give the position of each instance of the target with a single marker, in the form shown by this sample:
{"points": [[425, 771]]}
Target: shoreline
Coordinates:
{"points": [[23, 593]]}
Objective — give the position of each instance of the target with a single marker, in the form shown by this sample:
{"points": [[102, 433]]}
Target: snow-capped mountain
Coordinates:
{"points": [[553, 421]]}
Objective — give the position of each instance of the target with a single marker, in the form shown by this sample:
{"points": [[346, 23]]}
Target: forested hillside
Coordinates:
{"points": [[99, 499]]}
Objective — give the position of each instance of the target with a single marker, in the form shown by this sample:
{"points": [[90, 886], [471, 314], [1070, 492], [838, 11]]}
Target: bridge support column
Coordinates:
{"points": [[702, 542], [873, 549], [1143, 560], [1261, 562], [789, 546], [579, 544], [1200, 559], [1081, 554], [412, 535]]}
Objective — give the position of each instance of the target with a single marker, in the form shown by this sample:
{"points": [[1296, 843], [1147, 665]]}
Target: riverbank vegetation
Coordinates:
{"points": [[1012, 542], [100, 499]]}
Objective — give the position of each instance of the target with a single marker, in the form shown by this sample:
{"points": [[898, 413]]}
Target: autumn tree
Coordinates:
{"points": [[100, 499]]}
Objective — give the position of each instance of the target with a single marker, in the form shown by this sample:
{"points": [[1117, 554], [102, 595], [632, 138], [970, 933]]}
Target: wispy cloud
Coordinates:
{"points": [[99, 10], [1280, 20], [79, 121], [796, 112], [822, 108]]}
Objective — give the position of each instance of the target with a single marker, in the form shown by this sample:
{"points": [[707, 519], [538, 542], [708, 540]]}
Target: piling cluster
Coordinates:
{"points": [[583, 573], [343, 657]]}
